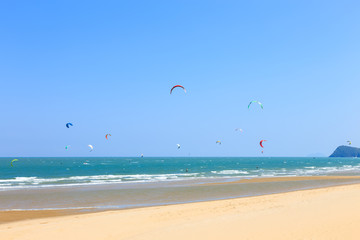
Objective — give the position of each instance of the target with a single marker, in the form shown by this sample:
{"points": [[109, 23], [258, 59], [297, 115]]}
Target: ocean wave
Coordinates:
{"points": [[95, 179], [35, 181], [308, 171], [230, 172]]}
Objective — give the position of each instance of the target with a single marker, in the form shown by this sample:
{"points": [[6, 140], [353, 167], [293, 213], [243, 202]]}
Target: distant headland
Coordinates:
{"points": [[346, 151]]}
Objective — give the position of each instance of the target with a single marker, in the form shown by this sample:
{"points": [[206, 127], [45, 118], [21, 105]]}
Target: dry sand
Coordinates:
{"points": [[327, 213]]}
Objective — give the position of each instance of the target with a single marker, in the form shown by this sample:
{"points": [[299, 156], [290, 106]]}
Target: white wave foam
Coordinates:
{"points": [[229, 172], [96, 179], [25, 182]]}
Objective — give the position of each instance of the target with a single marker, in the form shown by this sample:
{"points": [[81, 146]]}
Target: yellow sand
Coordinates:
{"points": [[327, 213]]}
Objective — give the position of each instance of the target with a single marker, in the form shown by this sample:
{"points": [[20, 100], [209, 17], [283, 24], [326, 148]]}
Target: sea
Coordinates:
{"points": [[88, 183]]}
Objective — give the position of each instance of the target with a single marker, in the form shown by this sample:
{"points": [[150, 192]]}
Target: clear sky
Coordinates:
{"points": [[108, 67]]}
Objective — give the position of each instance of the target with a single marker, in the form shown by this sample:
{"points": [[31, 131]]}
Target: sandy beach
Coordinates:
{"points": [[179, 120], [326, 213]]}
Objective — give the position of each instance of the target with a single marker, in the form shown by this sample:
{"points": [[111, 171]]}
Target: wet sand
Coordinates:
{"points": [[218, 187], [12, 216]]}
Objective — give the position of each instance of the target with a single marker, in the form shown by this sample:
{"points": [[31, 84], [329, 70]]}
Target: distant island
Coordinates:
{"points": [[346, 151]]}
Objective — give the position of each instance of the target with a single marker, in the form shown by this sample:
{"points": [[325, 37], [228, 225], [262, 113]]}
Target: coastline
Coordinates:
{"points": [[325, 213], [8, 216]]}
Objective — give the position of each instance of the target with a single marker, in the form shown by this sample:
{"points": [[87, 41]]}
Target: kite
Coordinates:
{"points": [[14, 160], [178, 146], [256, 102], [238, 129], [262, 142], [106, 136], [349, 142], [176, 86], [67, 147], [68, 125], [219, 142], [91, 147]]}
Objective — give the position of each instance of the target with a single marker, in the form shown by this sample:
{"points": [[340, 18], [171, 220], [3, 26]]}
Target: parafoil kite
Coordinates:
{"points": [[349, 142], [262, 142], [178, 146], [67, 147], [256, 102], [91, 147], [219, 142], [68, 125], [14, 160], [176, 86], [106, 136]]}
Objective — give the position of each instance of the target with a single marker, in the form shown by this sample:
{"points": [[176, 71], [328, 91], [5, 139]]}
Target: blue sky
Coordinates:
{"points": [[108, 67]]}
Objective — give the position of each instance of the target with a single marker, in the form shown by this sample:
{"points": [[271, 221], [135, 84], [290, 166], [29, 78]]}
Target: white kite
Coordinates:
{"points": [[91, 147]]}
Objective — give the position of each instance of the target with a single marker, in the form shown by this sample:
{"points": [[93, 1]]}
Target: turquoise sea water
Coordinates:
{"points": [[112, 183], [51, 172]]}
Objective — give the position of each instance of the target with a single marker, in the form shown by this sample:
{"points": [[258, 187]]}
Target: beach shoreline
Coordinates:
{"points": [[23, 215]]}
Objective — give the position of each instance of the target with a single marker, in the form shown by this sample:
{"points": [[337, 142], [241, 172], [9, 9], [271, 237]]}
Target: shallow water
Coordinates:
{"points": [[50, 172], [112, 183]]}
